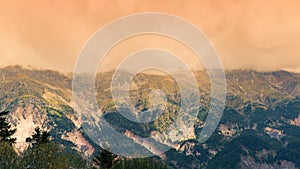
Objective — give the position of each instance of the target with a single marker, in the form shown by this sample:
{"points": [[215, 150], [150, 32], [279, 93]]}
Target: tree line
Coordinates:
{"points": [[43, 153]]}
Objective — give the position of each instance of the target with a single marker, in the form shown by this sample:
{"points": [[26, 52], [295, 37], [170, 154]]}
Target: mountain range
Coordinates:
{"points": [[260, 127]]}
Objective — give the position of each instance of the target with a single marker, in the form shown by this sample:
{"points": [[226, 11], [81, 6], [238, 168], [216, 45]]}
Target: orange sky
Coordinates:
{"points": [[259, 34]]}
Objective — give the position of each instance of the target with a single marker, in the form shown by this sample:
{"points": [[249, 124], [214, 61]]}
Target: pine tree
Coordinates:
{"points": [[5, 131], [104, 159], [141, 163], [51, 156], [38, 137]]}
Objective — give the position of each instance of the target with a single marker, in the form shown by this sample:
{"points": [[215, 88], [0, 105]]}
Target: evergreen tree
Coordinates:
{"points": [[140, 163], [8, 156], [51, 155], [107, 160], [5, 131], [104, 159], [38, 137]]}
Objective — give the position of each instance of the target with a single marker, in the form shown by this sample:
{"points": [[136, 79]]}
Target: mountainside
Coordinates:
{"points": [[40, 98], [259, 127]]}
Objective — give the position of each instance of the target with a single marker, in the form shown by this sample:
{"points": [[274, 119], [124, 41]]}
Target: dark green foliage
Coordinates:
{"points": [[289, 155], [104, 159], [38, 137], [51, 156], [65, 123], [228, 157], [183, 161], [8, 157], [5, 131], [231, 116], [254, 98], [252, 141], [121, 124], [107, 160], [141, 163], [42, 155]]}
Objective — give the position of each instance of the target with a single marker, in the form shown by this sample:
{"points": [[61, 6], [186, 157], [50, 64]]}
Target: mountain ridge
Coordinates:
{"points": [[44, 98]]}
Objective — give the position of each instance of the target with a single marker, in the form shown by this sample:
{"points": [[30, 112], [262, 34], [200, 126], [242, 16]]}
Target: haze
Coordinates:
{"points": [[258, 34]]}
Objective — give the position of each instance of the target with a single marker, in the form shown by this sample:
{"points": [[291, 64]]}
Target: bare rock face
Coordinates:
{"points": [[274, 133], [174, 135], [226, 131], [40, 99], [249, 163], [187, 148], [25, 120], [296, 121], [44, 99], [82, 145]]}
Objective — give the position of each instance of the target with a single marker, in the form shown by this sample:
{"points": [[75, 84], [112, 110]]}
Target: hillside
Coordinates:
{"points": [[259, 127]]}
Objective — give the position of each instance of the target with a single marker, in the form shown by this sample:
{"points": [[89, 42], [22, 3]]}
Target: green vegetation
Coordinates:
{"points": [[256, 101], [104, 159], [51, 156], [39, 137], [8, 156], [141, 163], [5, 131], [107, 160], [45, 154], [42, 154]]}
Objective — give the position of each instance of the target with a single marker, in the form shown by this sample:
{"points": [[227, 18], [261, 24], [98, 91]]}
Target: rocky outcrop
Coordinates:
{"points": [[296, 121], [248, 162]]}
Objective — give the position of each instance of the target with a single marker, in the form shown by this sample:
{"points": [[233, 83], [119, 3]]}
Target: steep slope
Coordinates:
{"points": [[40, 98], [259, 127]]}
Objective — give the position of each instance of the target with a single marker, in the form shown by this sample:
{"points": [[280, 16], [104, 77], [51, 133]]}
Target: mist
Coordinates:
{"points": [[247, 35]]}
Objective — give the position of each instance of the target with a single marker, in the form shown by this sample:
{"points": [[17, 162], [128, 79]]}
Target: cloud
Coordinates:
{"points": [[247, 34]]}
